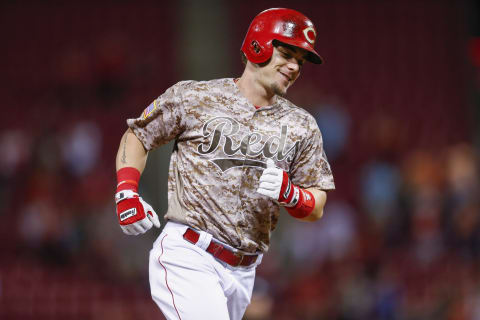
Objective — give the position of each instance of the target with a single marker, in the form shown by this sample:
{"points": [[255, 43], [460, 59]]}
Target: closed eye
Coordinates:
{"points": [[288, 56]]}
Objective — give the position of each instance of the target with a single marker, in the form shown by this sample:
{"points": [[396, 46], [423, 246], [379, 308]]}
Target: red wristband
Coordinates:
{"points": [[127, 179], [305, 205]]}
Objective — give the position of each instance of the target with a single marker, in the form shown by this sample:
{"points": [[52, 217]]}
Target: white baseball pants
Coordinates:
{"points": [[188, 283]]}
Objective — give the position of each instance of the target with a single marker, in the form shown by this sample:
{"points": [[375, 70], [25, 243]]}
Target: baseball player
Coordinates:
{"points": [[241, 151]]}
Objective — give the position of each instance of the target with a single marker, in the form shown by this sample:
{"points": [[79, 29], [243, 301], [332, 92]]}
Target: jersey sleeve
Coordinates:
{"points": [[162, 121], [310, 168]]}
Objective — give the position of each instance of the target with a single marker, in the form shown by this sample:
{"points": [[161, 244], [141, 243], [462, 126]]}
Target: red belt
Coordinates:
{"points": [[221, 252]]}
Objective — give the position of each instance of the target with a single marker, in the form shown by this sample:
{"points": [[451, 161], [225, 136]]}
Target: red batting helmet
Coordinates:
{"points": [[284, 25]]}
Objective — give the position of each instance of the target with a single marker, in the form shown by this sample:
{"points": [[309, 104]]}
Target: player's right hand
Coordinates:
{"points": [[134, 215], [276, 184]]}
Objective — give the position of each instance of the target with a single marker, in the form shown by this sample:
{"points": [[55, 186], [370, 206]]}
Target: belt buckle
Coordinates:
{"points": [[239, 255]]}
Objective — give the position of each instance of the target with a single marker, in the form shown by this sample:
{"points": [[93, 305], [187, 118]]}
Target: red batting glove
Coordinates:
{"points": [[135, 216], [276, 184]]}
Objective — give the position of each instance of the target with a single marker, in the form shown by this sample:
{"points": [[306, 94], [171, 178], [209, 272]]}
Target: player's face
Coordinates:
{"points": [[283, 69]]}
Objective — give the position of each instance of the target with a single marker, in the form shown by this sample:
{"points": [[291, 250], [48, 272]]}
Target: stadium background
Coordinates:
{"points": [[397, 101]]}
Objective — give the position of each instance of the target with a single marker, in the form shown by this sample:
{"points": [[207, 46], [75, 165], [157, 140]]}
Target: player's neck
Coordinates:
{"points": [[253, 90]]}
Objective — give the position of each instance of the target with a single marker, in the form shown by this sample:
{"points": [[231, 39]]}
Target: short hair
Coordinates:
{"points": [[244, 58]]}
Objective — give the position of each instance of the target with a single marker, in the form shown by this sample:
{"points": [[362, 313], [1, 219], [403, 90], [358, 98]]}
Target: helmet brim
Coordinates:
{"points": [[312, 56]]}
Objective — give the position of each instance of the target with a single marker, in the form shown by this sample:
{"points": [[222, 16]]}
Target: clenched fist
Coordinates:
{"points": [[276, 184], [134, 215]]}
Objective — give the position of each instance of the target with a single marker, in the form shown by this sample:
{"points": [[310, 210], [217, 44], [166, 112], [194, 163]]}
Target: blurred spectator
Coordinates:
{"points": [[462, 216], [380, 184], [424, 178], [81, 148], [15, 148], [334, 123], [311, 244]]}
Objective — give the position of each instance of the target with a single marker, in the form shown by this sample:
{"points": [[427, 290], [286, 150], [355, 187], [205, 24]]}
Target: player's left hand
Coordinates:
{"points": [[276, 184], [134, 214]]}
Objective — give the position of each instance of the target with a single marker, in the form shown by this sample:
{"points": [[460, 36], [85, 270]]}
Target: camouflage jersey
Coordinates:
{"points": [[222, 143]]}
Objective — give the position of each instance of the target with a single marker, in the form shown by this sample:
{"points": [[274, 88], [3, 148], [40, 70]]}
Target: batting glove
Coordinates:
{"points": [[276, 184], [134, 215]]}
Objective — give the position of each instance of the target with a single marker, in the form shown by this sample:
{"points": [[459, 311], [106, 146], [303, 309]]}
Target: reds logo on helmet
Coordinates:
{"points": [[279, 24], [307, 32]]}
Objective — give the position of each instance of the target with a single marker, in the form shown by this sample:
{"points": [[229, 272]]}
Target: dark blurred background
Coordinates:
{"points": [[398, 103]]}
